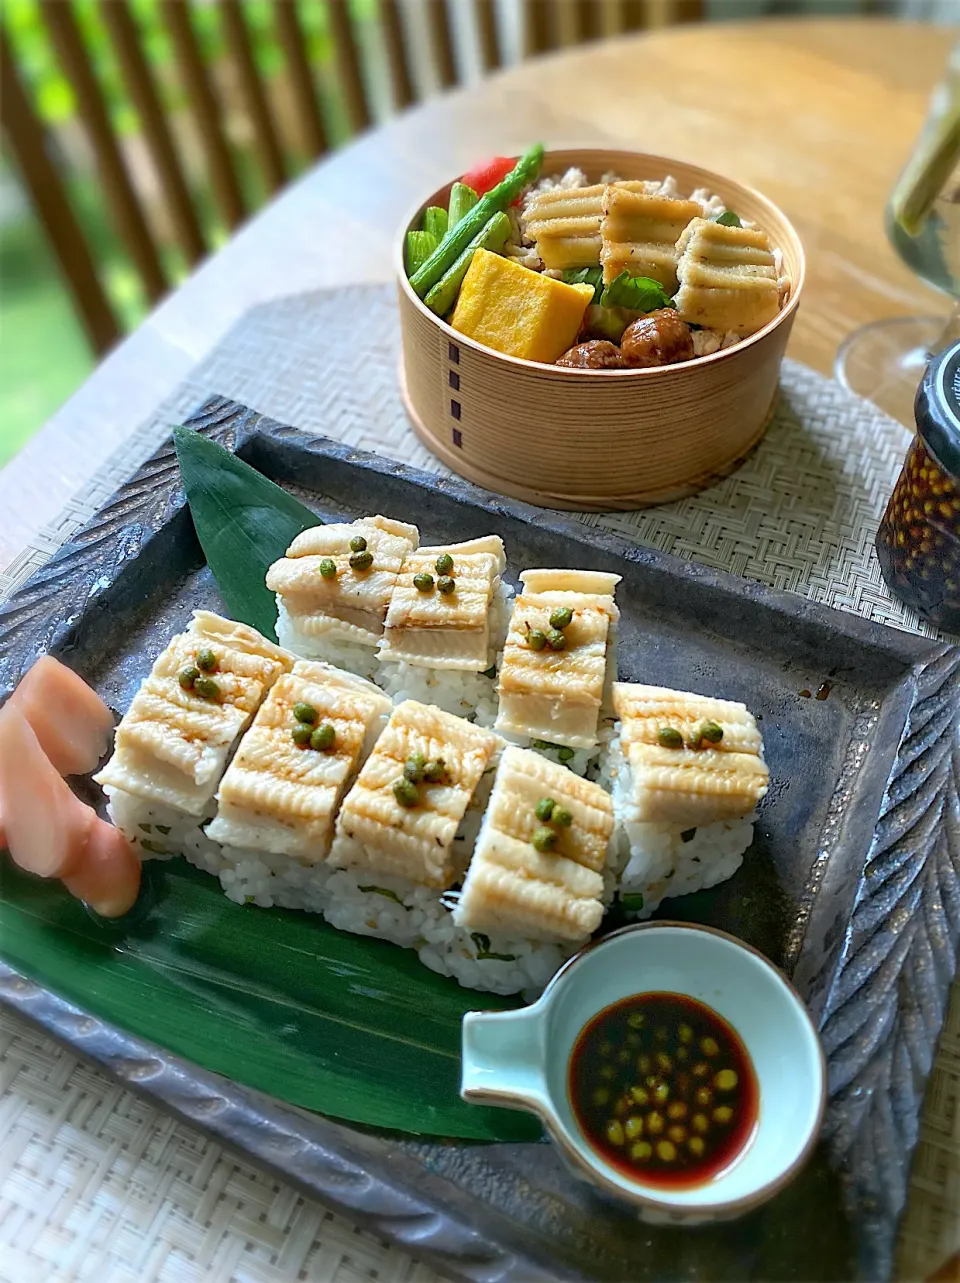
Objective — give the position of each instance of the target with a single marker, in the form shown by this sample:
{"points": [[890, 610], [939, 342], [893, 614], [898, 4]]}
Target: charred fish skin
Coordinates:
{"points": [[338, 579], [519, 883], [692, 758], [553, 679], [439, 613], [172, 745], [280, 793], [403, 811]]}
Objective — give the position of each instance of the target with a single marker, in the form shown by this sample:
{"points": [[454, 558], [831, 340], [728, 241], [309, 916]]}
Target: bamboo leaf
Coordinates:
{"points": [[244, 523], [280, 1001]]}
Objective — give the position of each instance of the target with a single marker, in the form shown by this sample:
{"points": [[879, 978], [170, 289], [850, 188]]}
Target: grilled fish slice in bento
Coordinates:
{"points": [[349, 602], [728, 277], [173, 744], [639, 234], [403, 826], [551, 694], [565, 223], [445, 629], [692, 759], [280, 793], [534, 877]]}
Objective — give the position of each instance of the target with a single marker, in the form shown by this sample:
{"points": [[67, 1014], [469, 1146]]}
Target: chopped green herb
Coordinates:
{"points": [[384, 891], [633, 903], [565, 754], [481, 941], [688, 835], [153, 847], [489, 672], [163, 828], [635, 293], [543, 743], [728, 219]]}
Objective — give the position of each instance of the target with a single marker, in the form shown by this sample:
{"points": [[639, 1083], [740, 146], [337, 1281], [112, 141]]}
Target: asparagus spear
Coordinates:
{"points": [[435, 222], [459, 237], [492, 235], [417, 249], [462, 200]]}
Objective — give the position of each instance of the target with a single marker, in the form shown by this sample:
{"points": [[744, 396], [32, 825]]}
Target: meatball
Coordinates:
{"points": [[658, 339], [596, 354]]}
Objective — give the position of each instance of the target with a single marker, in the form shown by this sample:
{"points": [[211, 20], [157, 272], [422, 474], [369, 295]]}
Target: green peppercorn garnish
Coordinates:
{"points": [[561, 617], [669, 737], [446, 584], [206, 688], [358, 544], [544, 809], [301, 735], [562, 817], [423, 582], [361, 560], [328, 568], [305, 713], [536, 640], [405, 792], [413, 768], [206, 661], [444, 564], [544, 839], [323, 738], [187, 676], [556, 639], [565, 754], [435, 770], [711, 732]]}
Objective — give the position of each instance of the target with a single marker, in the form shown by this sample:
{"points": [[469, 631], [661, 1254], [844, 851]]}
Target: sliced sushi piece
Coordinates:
{"points": [[403, 813], [686, 773], [334, 587], [281, 792], [639, 234], [445, 626], [728, 277], [173, 744], [558, 657], [536, 872]]}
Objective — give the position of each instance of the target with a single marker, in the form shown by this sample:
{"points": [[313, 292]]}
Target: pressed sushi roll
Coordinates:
{"points": [[173, 744], [277, 802], [558, 662], [639, 234], [686, 773], [445, 627], [396, 839], [334, 587], [728, 277]]}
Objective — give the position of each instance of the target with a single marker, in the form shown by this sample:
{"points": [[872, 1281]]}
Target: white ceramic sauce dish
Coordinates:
{"points": [[521, 1059]]}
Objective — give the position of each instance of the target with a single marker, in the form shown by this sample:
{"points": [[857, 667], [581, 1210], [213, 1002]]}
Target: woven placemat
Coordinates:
{"points": [[95, 1183]]}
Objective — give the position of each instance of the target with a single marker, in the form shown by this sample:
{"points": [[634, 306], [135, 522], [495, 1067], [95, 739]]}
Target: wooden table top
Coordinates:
{"points": [[819, 115]]}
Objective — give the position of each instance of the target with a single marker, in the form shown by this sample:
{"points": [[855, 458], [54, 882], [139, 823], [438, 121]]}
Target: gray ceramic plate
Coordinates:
{"points": [[851, 884]]}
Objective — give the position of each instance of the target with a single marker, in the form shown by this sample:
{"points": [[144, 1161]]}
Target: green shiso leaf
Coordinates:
{"points": [[243, 521], [635, 293], [728, 219], [279, 1001], [586, 276]]}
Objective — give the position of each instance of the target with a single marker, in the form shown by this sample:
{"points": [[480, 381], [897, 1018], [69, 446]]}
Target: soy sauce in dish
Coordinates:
{"points": [[663, 1089]]}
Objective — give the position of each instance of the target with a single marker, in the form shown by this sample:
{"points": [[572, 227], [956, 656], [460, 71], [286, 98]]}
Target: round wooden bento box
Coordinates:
{"points": [[587, 439]]}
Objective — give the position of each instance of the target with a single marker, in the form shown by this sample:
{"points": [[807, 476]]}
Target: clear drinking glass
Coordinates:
{"points": [[884, 361]]}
